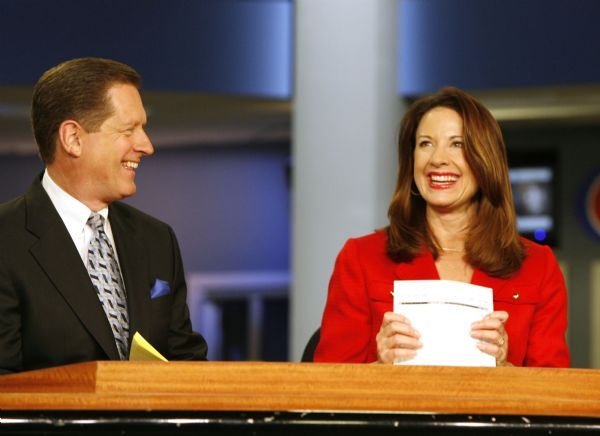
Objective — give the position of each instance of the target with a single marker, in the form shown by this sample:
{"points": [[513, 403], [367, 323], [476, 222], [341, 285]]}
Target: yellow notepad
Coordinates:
{"points": [[142, 350]]}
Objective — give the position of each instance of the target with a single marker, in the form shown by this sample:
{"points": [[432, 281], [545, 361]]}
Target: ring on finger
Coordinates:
{"points": [[500, 341]]}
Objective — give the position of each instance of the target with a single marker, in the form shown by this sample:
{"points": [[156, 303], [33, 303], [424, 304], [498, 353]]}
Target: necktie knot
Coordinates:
{"points": [[96, 222]]}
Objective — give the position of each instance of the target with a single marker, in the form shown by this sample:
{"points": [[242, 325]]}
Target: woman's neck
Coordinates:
{"points": [[450, 228]]}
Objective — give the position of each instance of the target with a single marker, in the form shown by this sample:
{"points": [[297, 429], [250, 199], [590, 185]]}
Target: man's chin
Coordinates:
{"points": [[130, 192], [124, 193]]}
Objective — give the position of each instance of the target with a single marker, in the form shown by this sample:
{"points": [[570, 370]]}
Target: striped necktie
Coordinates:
{"points": [[105, 274]]}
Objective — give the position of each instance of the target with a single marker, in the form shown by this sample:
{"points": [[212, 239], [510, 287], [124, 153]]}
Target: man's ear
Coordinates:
{"points": [[70, 134]]}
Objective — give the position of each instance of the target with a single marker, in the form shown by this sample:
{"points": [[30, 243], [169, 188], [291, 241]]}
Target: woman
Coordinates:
{"points": [[452, 218]]}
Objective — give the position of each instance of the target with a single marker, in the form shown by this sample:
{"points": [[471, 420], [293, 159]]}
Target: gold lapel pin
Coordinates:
{"points": [[516, 296]]}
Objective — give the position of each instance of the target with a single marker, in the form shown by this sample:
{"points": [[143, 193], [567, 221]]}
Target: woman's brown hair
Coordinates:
{"points": [[492, 243]]}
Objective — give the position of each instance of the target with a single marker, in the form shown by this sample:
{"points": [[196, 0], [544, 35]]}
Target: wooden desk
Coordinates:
{"points": [[570, 398]]}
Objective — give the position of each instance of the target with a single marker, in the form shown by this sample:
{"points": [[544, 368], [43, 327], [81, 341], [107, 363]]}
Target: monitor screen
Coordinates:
{"points": [[533, 181]]}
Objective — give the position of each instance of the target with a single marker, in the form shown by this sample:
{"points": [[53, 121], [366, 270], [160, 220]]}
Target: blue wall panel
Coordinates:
{"points": [[237, 47], [487, 44], [228, 206]]}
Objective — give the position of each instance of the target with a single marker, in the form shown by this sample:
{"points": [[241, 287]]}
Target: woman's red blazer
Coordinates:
{"points": [[360, 293]]}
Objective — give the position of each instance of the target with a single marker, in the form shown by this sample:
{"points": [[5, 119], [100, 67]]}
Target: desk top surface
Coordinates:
{"points": [[262, 386]]}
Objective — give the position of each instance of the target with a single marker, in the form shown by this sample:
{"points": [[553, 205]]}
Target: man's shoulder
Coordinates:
{"points": [[134, 215], [10, 206], [34, 196], [12, 210], [13, 225]]}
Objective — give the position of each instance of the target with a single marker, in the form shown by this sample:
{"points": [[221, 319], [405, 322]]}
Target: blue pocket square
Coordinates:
{"points": [[160, 288]]}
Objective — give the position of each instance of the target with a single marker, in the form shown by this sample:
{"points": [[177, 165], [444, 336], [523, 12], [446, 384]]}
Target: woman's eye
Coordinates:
{"points": [[424, 144], [458, 144]]}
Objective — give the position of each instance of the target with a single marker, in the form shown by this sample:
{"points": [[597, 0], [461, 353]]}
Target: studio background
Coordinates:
{"points": [[274, 124]]}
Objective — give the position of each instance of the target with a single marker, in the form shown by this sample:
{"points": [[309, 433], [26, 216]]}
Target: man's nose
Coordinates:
{"points": [[144, 145]]}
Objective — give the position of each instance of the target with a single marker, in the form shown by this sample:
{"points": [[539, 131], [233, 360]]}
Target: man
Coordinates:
{"points": [[80, 272]]}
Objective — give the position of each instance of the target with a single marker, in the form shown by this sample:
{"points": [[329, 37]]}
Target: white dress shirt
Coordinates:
{"points": [[75, 215]]}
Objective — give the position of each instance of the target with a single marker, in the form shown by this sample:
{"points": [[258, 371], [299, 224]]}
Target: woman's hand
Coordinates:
{"points": [[492, 335], [396, 338]]}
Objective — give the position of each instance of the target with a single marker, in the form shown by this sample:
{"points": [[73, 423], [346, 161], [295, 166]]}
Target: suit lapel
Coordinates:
{"points": [[133, 263], [57, 255]]}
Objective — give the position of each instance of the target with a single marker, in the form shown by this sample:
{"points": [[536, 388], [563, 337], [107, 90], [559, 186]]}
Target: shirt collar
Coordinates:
{"points": [[72, 211]]}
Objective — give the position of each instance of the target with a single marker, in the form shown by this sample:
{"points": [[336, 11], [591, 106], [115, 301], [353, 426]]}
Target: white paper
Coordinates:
{"points": [[442, 312]]}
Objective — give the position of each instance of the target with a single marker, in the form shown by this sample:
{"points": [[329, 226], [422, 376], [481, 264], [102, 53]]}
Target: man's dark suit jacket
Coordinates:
{"points": [[50, 313]]}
